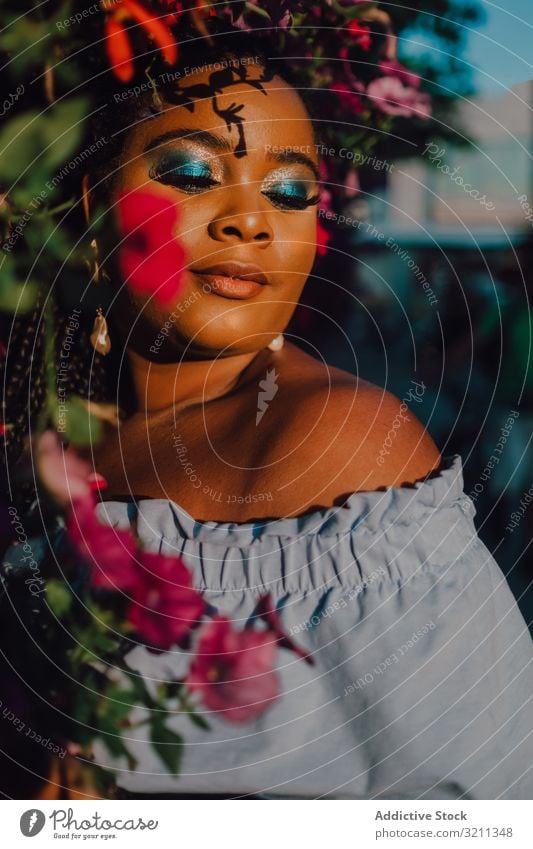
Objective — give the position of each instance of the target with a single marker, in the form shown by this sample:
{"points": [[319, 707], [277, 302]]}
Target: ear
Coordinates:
{"points": [[85, 191]]}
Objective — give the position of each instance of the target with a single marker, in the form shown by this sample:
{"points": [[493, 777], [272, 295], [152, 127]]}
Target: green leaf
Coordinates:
{"points": [[28, 41], [40, 142], [17, 297], [167, 744], [114, 742], [198, 720], [117, 703], [58, 597], [142, 695], [74, 419]]}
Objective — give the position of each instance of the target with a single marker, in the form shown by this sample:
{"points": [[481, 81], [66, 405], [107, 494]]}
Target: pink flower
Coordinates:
{"points": [[392, 68], [360, 34], [234, 671], [165, 608], [62, 472], [352, 186], [151, 259], [108, 551], [394, 98], [265, 610]]}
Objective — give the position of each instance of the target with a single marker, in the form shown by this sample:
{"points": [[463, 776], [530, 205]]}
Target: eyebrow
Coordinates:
{"points": [[223, 145]]}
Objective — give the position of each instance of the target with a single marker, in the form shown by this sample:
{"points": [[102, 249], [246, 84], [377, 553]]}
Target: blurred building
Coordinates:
{"points": [[452, 194]]}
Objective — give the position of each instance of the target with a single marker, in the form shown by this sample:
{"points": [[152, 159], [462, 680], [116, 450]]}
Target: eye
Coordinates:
{"points": [[185, 173], [291, 194]]}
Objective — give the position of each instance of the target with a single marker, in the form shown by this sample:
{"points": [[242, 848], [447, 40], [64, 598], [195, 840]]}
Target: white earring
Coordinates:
{"points": [[277, 343]]}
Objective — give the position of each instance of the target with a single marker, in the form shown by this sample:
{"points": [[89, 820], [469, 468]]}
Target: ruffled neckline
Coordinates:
{"points": [[373, 510]]}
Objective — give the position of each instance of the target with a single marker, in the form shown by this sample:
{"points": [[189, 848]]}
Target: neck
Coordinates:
{"points": [[163, 386]]}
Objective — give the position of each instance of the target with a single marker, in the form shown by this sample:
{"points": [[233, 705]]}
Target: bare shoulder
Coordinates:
{"points": [[365, 436]]}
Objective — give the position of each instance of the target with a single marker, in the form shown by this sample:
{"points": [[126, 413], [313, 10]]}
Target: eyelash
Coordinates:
{"points": [[195, 185]]}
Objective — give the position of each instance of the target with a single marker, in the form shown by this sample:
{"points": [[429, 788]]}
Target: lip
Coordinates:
{"points": [[231, 287], [239, 270], [233, 279]]}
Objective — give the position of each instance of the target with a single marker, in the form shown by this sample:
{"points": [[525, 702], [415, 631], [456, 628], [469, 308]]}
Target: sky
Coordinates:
{"points": [[503, 47]]}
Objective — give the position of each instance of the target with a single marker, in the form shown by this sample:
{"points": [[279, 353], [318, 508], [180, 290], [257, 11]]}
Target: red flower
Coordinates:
{"points": [[165, 608], [233, 671], [97, 482], [108, 551], [360, 34], [118, 45], [151, 259], [119, 49], [323, 238], [265, 610]]}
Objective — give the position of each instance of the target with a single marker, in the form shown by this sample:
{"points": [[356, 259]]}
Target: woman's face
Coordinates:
{"points": [[257, 209]]}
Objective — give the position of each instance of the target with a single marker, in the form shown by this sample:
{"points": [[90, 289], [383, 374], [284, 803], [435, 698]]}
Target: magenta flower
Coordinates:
{"points": [[108, 551], [234, 671], [349, 98], [64, 474], [391, 96], [323, 238], [165, 607], [150, 257]]}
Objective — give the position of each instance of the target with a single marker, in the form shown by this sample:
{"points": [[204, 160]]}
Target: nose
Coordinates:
{"points": [[244, 220]]}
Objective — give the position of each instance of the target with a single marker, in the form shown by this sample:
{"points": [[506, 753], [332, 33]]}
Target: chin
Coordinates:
{"points": [[237, 334], [212, 345]]}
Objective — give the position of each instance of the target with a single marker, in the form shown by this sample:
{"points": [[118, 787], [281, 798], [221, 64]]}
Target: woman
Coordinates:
{"points": [[266, 470]]}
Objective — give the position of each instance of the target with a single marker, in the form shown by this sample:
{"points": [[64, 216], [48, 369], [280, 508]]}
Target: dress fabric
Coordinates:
{"points": [[422, 685]]}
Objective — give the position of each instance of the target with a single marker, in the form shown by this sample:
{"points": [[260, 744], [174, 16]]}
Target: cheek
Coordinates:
{"points": [[299, 240]]}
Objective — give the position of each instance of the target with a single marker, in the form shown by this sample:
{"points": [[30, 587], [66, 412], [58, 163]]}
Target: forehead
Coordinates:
{"points": [[267, 111]]}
